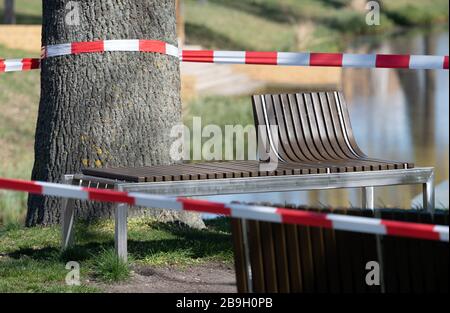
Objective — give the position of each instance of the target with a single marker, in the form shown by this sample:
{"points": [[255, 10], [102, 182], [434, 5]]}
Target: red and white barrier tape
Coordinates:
{"points": [[260, 213], [135, 45], [234, 57], [317, 59], [16, 65]]}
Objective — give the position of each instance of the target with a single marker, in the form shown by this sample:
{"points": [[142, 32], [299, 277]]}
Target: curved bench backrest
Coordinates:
{"points": [[313, 126]]}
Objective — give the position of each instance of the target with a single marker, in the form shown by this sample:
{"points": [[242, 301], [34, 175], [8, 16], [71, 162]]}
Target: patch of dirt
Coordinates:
{"points": [[205, 278]]}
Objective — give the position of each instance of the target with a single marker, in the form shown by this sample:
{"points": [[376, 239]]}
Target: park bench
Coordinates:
{"points": [[312, 140], [292, 258]]}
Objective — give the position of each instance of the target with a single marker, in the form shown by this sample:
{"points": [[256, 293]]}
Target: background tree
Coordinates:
{"points": [[9, 16], [180, 21], [98, 109]]}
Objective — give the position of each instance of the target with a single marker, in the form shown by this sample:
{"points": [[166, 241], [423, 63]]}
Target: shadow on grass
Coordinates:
{"points": [[336, 4], [347, 21], [190, 246], [270, 11], [25, 18], [221, 224], [188, 243], [210, 39], [412, 16], [276, 11], [85, 232], [75, 253], [192, 243]]}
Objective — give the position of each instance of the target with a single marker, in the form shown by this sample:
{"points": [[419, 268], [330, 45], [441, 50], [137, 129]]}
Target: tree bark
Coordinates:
{"points": [[103, 109], [9, 17]]}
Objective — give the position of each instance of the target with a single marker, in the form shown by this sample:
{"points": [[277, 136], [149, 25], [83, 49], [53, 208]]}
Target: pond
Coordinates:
{"points": [[396, 114]]}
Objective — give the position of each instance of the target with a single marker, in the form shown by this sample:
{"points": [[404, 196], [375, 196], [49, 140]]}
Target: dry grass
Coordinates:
{"points": [[304, 76], [23, 37]]}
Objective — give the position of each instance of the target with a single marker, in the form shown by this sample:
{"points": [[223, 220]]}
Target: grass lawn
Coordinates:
{"points": [[219, 110], [408, 13], [223, 111], [31, 261], [27, 11], [217, 25], [19, 101], [274, 24]]}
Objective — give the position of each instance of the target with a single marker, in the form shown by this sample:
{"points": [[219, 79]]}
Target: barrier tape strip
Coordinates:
{"points": [[233, 57], [135, 45], [17, 65], [317, 59], [260, 213]]}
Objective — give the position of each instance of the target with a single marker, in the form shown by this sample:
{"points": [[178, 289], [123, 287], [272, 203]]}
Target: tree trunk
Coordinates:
{"points": [[103, 109], [9, 16]]}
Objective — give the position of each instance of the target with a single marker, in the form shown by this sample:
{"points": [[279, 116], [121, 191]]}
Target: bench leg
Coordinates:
{"points": [[428, 194], [67, 218], [121, 212], [367, 198]]}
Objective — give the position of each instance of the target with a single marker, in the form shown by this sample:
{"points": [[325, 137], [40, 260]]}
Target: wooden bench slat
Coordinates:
{"points": [[281, 257], [417, 279], [268, 254], [357, 242], [370, 250], [306, 257], [331, 258], [256, 258], [318, 254], [293, 254], [441, 259], [239, 255], [343, 246], [389, 258]]}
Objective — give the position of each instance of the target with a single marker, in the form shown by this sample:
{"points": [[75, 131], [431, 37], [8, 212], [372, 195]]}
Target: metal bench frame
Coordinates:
{"points": [[364, 180]]}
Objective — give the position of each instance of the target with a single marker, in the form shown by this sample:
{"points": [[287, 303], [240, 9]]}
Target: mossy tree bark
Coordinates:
{"points": [[103, 109]]}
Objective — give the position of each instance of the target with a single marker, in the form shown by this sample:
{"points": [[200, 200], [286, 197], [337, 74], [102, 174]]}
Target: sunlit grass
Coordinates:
{"points": [[410, 12], [110, 268], [31, 260], [238, 27], [27, 11], [19, 101]]}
